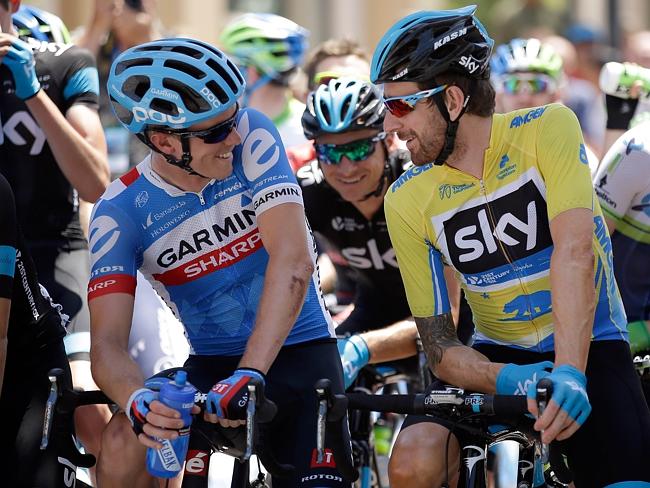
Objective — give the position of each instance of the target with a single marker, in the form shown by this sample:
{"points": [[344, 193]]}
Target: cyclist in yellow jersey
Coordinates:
{"points": [[506, 200]]}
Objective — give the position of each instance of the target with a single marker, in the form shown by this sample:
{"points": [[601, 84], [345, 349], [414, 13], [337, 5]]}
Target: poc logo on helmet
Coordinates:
{"points": [[141, 114], [212, 98]]}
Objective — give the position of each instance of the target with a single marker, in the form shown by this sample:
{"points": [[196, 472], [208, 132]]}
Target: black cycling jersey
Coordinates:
{"points": [[33, 321], [46, 204], [364, 243]]}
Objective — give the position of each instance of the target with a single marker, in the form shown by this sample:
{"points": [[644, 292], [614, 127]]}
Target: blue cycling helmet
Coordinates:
{"points": [[40, 25], [344, 104], [526, 56], [172, 84], [428, 43]]}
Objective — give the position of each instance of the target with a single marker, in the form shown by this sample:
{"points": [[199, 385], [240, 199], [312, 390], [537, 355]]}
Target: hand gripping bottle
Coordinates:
{"points": [[168, 461], [617, 79]]}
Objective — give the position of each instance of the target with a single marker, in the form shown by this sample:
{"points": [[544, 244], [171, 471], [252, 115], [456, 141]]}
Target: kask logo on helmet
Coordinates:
{"points": [[449, 37]]}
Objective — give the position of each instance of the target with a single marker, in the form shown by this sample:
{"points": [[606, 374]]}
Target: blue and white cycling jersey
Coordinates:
{"points": [[202, 252]]}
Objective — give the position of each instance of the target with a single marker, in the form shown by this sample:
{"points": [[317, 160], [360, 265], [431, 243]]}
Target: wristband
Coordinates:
{"points": [[620, 111]]}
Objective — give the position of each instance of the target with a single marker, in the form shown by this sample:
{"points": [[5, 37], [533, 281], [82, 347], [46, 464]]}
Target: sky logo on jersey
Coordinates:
{"points": [[520, 120], [16, 128], [508, 228], [260, 151]]}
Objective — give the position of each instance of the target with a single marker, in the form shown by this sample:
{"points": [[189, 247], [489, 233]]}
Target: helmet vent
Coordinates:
{"points": [[188, 51], [191, 99], [219, 92], [185, 68], [164, 106], [128, 63], [136, 86], [224, 75]]}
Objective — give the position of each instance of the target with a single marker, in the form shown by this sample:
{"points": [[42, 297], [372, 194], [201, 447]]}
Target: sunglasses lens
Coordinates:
{"points": [[398, 108], [514, 85], [355, 151], [219, 132]]}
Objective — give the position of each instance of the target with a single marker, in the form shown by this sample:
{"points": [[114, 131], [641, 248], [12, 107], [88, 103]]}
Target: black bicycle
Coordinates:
{"points": [[205, 438], [504, 444]]}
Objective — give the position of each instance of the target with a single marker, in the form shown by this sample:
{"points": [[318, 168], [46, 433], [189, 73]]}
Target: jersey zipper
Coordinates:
{"points": [[509, 258]]}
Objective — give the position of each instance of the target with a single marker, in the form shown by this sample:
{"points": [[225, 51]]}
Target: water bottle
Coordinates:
{"points": [[168, 461], [617, 79]]}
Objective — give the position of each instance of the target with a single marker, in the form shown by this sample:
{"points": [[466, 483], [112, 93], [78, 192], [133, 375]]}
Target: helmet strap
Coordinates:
{"points": [[185, 160], [452, 126], [382, 179], [259, 83]]}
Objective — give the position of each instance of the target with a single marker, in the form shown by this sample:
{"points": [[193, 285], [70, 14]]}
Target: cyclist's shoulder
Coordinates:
{"points": [[59, 54], [529, 119], [413, 182]]}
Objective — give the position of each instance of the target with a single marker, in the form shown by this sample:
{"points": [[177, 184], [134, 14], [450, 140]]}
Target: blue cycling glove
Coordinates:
{"points": [[570, 392], [138, 408], [229, 397], [515, 379], [354, 356], [20, 61]]}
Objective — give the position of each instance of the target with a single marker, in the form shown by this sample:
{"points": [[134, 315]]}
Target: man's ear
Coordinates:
{"points": [[392, 142], [166, 143], [454, 99], [14, 6]]}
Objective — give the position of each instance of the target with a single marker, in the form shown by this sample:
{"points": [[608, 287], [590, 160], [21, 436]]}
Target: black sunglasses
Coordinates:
{"points": [[212, 135]]}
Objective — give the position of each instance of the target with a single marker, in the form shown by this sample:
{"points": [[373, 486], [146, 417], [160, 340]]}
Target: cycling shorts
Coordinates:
{"points": [[65, 274], [22, 408], [291, 436], [613, 445]]}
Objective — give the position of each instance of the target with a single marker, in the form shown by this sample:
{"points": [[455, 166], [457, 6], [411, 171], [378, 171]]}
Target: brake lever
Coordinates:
{"points": [[544, 390], [50, 406]]}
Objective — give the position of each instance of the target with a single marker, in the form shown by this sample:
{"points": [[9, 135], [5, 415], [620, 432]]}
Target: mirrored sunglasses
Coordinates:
{"points": [[405, 104], [212, 135], [355, 151]]}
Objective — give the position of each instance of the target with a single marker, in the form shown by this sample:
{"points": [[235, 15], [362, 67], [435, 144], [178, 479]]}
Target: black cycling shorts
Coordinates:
{"points": [[22, 409], [65, 275], [291, 436], [613, 445]]}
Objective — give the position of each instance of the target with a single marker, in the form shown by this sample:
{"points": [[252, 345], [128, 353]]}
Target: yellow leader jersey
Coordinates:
{"points": [[495, 232]]}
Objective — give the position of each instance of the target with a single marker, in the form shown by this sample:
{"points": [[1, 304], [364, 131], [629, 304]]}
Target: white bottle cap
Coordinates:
{"points": [[610, 76]]}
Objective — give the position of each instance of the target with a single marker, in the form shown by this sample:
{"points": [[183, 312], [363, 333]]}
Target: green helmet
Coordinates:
{"points": [[526, 56], [274, 45]]}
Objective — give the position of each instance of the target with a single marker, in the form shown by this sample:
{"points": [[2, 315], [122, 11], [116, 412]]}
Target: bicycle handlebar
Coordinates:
{"points": [[62, 403], [453, 402]]}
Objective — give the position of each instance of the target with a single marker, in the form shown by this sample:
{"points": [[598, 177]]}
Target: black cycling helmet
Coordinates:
{"points": [[343, 105], [427, 44], [424, 45]]}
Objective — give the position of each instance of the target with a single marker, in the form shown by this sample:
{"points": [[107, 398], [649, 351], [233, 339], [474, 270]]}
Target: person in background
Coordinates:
{"points": [[58, 159], [528, 73], [269, 49]]}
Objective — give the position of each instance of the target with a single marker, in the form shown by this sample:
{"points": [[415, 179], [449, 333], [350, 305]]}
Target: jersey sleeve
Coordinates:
{"points": [[623, 174], [8, 231], [420, 263], [563, 162], [114, 250], [80, 81], [264, 164]]}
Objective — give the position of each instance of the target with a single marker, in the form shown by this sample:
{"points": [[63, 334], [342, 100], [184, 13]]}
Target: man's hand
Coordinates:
{"points": [[152, 419], [569, 406], [18, 57], [227, 400], [514, 379], [354, 356]]}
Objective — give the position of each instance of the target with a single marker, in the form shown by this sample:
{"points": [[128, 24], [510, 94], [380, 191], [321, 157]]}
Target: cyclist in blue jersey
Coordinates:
{"points": [[214, 220]]}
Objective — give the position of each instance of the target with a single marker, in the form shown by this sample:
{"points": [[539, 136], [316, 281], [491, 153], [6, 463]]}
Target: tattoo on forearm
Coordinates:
{"points": [[437, 334]]}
